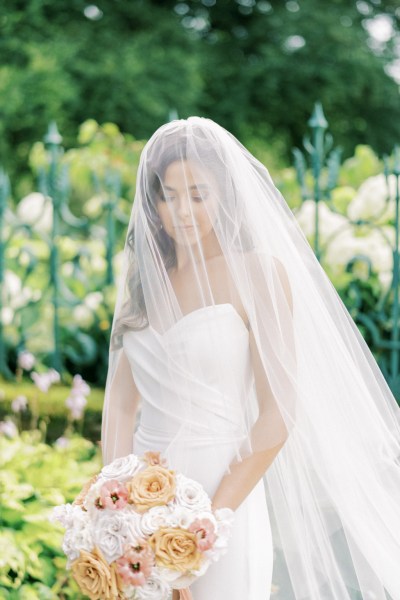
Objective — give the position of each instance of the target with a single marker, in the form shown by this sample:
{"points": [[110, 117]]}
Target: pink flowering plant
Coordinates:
{"points": [[139, 529]]}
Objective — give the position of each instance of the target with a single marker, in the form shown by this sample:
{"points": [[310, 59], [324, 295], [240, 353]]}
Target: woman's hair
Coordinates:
{"points": [[171, 148]]}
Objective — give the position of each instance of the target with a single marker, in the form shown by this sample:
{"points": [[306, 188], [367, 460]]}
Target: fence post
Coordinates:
{"points": [[317, 148], [4, 194]]}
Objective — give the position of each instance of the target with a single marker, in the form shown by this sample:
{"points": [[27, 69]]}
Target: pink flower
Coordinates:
{"points": [[114, 495], [79, 386], [62, 442], [136, 564], [42, 381], [53, 375], [154, 458], [19, 404], [26, 360], [8, 428], [205, 533], [76, 403]]}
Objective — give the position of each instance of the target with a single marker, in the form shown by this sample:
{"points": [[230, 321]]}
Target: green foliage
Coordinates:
{"points": [[256, 68], [102, 153], [283, 56], [363, 164], [51, 408], [130, 67], [35, 477]]}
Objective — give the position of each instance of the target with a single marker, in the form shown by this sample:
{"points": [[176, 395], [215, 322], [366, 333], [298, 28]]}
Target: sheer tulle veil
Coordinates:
{"points": [[333, 490]]}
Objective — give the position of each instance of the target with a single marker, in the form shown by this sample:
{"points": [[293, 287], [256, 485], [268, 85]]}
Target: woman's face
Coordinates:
{"points": [[188, 202]]}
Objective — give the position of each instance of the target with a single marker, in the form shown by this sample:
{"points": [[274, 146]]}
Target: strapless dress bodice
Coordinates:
{"points": [[197, 373]]}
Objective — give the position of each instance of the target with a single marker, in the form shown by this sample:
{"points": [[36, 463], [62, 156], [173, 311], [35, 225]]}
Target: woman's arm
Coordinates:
{"points": [[243, 476], [120, 418], [235, 486]]}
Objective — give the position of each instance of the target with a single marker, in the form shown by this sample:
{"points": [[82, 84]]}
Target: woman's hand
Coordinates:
{"points": [[237, 485], [184, 594]]}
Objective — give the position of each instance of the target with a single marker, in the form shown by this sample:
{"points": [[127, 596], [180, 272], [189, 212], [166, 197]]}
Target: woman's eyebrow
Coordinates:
{"points": [[197, 185]]}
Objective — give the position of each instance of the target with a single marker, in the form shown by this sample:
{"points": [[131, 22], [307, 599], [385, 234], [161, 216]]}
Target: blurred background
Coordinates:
{"points": [[311, 88], [256, 67]]}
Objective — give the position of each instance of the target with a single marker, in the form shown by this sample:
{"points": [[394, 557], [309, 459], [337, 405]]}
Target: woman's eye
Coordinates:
{"points": [[204, 196], [165, 198]]}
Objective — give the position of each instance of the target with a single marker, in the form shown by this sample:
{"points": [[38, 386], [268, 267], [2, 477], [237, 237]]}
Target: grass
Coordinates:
{"points": [[51, 408]]}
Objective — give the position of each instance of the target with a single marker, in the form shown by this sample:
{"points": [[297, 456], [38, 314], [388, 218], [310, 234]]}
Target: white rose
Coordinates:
{"points": [[133, 525], [155, 588], [111, 532], [78, 536], [180, 516], [191, 494], [225, 520], [91, 497], [65, 514], [122, 469], [154, 518]]}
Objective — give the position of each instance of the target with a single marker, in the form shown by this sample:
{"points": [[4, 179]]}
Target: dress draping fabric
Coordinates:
{"points": [[245, 571]]}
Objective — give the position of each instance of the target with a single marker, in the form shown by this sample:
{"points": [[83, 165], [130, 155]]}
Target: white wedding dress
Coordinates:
{"points": [[215, 332]]}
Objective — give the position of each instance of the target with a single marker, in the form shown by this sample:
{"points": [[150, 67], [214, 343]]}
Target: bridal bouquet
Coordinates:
{"points": [[139, 529]]}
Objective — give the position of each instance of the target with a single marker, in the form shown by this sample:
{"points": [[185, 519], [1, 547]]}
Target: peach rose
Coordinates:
{"points": [[153, 486], [83, 493], [94, 576], [175, 548], [154, 458]]}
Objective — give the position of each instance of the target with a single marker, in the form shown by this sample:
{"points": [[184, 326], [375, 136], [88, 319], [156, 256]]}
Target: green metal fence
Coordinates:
{"points": [[381, 323], [318, 164]]}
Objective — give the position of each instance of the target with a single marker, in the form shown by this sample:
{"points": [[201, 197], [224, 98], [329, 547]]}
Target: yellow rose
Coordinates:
{"points": [[154, 486], [175, 548], [94, 576]]}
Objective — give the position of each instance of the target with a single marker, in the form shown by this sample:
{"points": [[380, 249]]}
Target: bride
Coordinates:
{"points": [[233, 355]]}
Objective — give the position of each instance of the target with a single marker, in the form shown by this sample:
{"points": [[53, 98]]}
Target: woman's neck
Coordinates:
{"points": [[210, 247]]}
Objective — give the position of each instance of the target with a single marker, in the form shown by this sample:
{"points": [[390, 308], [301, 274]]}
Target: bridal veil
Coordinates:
{"points": [[333, 490]]}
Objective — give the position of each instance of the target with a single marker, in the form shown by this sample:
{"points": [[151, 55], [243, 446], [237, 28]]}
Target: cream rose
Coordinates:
{"points": [[94, 576], [175, 549], [153, 486]]}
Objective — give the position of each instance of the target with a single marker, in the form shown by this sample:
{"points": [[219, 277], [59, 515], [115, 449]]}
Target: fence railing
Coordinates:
{"points": [[382, 321], [379, 322]]}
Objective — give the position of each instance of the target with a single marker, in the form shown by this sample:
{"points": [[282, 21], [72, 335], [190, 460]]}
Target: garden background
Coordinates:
{"points": [[312, 89]]}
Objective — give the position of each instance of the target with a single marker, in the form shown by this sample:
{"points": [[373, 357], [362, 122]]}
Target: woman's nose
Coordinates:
{"points": [[184, 207]]}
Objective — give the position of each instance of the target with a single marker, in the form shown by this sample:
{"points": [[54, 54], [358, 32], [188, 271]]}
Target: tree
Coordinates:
{"points": [[124, 62], [266, 63]]}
